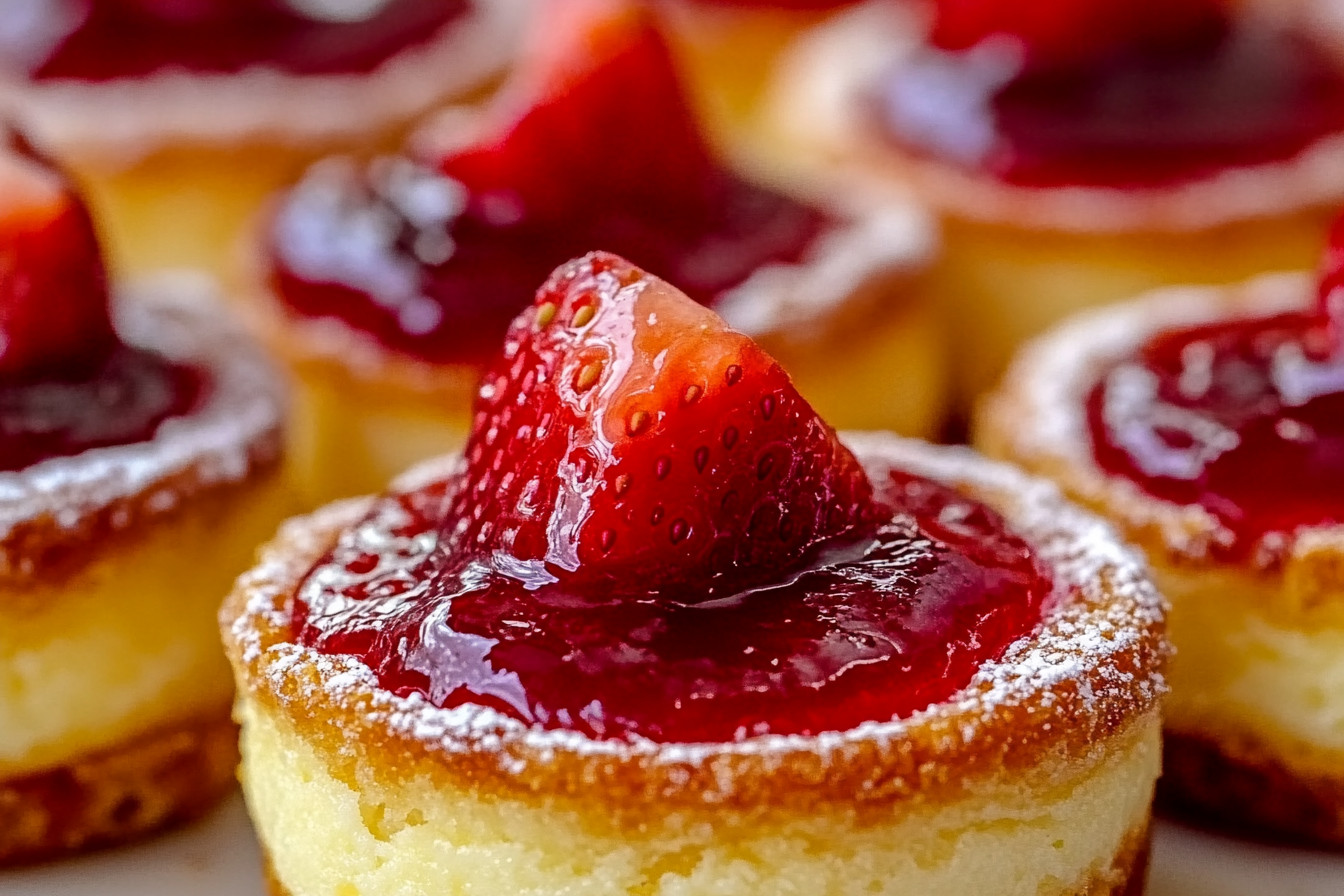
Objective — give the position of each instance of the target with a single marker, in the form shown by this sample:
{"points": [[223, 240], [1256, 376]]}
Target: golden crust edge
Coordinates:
{"points": [[1236, 782], [928, 759], [152, 781]]}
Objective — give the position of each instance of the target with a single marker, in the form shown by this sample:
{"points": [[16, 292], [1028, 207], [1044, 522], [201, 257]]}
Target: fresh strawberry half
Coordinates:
{"points": [[1062, 34], [596, 116], [53, 284], [629, 439]]}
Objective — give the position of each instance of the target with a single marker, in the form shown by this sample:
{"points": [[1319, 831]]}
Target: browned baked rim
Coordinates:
{"points": [[1037, 418], [1242, 786], [153, 781], [1091, 671], [58, 505], [817, 100], [1126, 876], [108, 124]]}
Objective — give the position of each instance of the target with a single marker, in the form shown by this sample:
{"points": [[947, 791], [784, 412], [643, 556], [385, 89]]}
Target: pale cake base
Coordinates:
{"points": [[189, 206], [1083, 832], [892, 374], [126, 642], [1256, 714], [352, 437], [729, 56], [1004, 284], [176, 163], [155, 780], [1134, 884]]}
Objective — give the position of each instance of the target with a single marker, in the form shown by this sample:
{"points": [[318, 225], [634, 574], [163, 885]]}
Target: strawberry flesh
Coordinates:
{"points": [[629, 438], [67, 383], [654, 537], [53, 284]]}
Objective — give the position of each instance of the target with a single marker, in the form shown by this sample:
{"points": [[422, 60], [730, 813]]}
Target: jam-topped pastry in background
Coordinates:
{"points": [[661, 616], [1208, 423], [179, 118], [389, 284], [1085, 151], [730, 48], [139, 448]]}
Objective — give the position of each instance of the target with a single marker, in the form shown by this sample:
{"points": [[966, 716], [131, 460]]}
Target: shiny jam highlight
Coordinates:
{"points": [[871, 630], [1244, 419]]}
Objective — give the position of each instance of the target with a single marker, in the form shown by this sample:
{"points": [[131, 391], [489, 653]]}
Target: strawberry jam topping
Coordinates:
{"points": [[595, 145], [1165, 107], [1243, 418], [871, 629], [653, 535], [100, 40], [121, 401], [67, 383]]}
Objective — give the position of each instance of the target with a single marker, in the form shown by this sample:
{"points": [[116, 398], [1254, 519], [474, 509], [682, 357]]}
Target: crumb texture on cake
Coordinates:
{"points": [[160, 777], [1074, 827], [1255, 717]]}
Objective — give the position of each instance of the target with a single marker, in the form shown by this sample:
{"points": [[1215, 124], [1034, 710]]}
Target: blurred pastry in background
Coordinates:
{"points": [[659, 629], [139, 450], [729, 49], [180, 117], [386, 286], [1208, 424], [1081, 152]]}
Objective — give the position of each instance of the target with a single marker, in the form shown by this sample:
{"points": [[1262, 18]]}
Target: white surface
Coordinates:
{"points": [[219, 858]]}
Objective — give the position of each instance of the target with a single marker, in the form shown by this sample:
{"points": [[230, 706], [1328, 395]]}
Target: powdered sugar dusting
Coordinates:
{"points": [[238, 426], [1088, 651]]}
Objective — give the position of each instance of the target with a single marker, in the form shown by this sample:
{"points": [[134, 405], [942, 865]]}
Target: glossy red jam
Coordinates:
{"points": [[121, 402], [1256, 96], [108, 39], [1244, 419], [871, 630], [431, 270]]}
